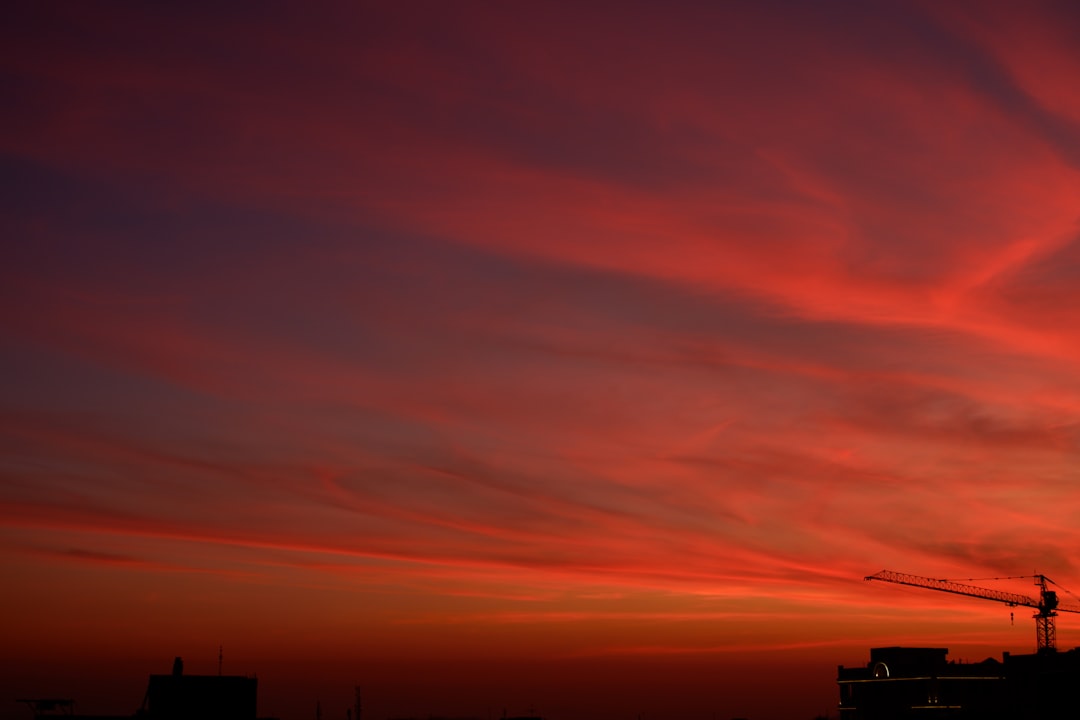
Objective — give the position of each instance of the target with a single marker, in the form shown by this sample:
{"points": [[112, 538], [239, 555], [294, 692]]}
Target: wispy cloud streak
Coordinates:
{"points": [[524, 317]]}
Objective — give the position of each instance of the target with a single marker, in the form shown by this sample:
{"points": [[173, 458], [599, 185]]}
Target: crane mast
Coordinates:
{"points": [[1046, 605]]}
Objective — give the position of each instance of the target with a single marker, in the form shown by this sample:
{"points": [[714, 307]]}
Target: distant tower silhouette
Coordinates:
{"points": [[220, 657], [356, 703], [178, 666]]}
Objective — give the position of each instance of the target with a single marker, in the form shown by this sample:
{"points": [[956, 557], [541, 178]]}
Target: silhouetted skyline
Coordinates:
{"points": [[577, 356]]}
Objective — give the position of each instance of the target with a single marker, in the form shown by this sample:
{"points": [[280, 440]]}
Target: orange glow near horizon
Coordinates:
{"points": [[501, 356]]}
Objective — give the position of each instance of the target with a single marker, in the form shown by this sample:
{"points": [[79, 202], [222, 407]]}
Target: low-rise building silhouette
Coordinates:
{"points": [[175, 696], [209, 697], [908, 683]]}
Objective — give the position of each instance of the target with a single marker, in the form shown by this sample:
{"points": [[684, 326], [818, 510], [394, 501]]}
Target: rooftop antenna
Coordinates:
{"points": [[220, 655]]}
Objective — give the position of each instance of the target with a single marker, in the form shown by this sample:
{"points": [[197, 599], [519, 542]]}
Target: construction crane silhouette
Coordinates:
{"points": [[1046, 606]]}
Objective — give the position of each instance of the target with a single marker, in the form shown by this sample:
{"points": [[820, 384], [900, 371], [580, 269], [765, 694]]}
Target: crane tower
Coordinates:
{"points": [[1046, 606]]}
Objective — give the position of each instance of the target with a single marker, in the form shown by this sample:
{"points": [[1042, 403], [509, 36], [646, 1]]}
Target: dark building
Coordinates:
{"points": [[910, 683], [900, 683], [175, 697], [1044, 685], [207, 697]]}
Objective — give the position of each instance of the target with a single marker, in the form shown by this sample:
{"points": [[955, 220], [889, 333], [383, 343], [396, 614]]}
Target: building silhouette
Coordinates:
{"points": [[902, 683], [175, 696], [211, 697]]}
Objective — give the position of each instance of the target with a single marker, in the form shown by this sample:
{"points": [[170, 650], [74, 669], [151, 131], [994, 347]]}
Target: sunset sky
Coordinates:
{"points": [[570, 357]]}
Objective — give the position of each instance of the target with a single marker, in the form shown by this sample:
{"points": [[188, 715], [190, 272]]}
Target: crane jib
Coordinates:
{"points": [[1047, 603]]}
